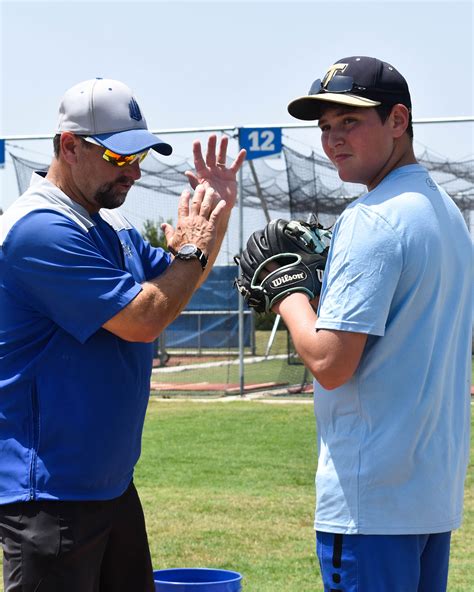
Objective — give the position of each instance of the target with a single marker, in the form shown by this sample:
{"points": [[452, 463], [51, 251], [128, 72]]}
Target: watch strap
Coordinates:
{"points": [[202, 258]]}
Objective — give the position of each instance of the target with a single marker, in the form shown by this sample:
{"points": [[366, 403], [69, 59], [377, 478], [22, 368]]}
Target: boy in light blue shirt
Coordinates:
{"points": [[391, 354]]}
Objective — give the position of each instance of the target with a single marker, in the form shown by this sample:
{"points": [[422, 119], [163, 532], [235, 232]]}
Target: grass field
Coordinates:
{"points": [[230, 485]]}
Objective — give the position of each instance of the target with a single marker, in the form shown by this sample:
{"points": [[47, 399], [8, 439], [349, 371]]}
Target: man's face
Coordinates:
{"points": [[357, 143], [102, 184]]}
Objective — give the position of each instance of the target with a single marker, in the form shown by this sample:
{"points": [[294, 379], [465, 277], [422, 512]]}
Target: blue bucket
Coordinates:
{"points": [[197, 579]]}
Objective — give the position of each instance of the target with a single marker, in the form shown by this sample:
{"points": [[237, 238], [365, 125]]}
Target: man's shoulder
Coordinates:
{"points": [[38, 206], [115, 219]]}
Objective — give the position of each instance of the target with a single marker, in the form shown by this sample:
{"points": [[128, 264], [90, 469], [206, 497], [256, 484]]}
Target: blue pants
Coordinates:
{"points": [[383, 563]]}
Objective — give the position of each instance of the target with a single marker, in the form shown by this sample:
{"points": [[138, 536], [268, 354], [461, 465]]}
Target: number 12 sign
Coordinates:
{"points": [[260, 141]]}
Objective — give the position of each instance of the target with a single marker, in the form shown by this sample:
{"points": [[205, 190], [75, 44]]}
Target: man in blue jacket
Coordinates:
{"points": [[82, 298]]}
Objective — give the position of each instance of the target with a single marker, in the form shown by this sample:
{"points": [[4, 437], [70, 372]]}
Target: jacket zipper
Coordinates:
{"points": [[34, 447]]}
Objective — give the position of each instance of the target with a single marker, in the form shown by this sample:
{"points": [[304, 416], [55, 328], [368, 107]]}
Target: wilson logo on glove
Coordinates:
{"points": [[288, 279]]}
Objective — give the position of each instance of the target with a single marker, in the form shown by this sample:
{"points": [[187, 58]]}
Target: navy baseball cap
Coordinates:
{"points": [[107, 111], [357, 81]]}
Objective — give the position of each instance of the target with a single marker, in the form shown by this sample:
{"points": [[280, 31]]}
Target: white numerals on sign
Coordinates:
{"points": [[262, 141]]}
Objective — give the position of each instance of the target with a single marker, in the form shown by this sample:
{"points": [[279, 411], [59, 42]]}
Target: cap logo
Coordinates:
{"points": [[135, 112], [333, 70]]}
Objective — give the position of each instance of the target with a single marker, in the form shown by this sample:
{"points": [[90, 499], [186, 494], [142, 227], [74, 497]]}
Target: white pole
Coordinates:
{"points": [[276, 322], [241, 298]]}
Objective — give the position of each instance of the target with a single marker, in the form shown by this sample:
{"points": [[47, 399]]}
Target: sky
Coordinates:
{"points": [[228, 63]]}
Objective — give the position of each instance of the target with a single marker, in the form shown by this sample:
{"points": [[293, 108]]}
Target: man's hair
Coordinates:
{"points": [[384, 111], [57, 144]]}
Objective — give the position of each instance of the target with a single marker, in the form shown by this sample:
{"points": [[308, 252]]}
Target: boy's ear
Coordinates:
{"points": [[399, 120]]}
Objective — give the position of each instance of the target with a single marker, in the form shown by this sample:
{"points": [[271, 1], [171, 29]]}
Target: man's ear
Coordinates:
{"points": [[69, 146], [399, 120]]}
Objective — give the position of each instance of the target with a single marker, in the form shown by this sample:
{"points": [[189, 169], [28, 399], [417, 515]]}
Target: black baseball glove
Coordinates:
{"points": [[282, 258]]}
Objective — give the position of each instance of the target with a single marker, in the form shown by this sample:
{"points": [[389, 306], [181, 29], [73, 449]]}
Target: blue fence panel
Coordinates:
{"points": [[217, 292], [211, 318], [208, 331]]}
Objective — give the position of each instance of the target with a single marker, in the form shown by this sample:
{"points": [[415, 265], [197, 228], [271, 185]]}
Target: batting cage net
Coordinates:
{"points": [[199, 352]]}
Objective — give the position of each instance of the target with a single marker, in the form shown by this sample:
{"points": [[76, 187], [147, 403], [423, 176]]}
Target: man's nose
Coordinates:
{"points": [[133, 170]]}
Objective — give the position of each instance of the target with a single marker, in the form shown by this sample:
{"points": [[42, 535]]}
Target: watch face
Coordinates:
{"points": [[187, 249]]}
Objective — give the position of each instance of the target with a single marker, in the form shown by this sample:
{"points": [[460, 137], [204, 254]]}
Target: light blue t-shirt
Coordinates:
{"points": [[394, 440]]}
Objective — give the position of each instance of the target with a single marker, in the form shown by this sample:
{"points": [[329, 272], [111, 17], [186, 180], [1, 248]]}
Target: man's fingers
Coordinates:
{"points": [[199, 163], [197, 199], [168, 231], [238, 162], [217, 211], [193, 180], [204, 201], [211, 151], [209, 202], [222, 153], [183, 204]]}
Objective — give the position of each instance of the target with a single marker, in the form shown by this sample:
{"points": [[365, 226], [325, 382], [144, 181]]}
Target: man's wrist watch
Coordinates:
{"points": [[189, 251]]}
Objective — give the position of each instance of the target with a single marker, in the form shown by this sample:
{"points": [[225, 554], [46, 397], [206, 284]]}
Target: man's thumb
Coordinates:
{"points": [[168, 231]]}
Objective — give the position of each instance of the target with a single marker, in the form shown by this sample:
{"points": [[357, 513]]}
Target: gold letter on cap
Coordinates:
{"points": [[332, 72]]}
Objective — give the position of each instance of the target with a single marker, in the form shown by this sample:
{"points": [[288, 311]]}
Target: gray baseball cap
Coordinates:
{"points": [[107, 111]]}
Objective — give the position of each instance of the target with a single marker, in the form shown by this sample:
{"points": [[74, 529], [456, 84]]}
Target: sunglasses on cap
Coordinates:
{"points": [[337, 84], [118, 160]]}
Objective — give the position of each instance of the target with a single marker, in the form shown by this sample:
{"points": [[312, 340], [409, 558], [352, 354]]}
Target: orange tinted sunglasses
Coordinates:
{"points": [[118, 160]]}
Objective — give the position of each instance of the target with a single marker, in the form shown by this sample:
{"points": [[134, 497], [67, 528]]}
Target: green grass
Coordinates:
{"points": [[231, 485]]}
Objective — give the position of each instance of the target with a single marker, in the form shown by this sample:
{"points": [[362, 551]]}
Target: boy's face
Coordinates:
{"points": [[358, 144]]}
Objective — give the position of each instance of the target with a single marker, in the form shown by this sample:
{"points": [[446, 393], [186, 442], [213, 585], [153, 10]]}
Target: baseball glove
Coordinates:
{"points": [[282, 258]]}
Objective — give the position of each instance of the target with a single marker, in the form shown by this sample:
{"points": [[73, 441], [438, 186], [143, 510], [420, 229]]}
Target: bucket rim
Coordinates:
{"points": [[237, 576]]}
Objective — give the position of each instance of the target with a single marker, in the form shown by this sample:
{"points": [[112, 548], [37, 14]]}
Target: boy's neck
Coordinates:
{"points": [[403, 155]]}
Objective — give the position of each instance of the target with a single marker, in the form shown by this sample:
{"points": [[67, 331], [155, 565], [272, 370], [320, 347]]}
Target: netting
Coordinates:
{"points": [[294, 185]]}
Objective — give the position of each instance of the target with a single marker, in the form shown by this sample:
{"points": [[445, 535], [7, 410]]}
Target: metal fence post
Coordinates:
{"points": [[241, 300]]}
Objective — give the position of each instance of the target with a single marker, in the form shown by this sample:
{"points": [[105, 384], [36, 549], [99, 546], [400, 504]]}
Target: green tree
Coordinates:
{"points": [[153, 234]]}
